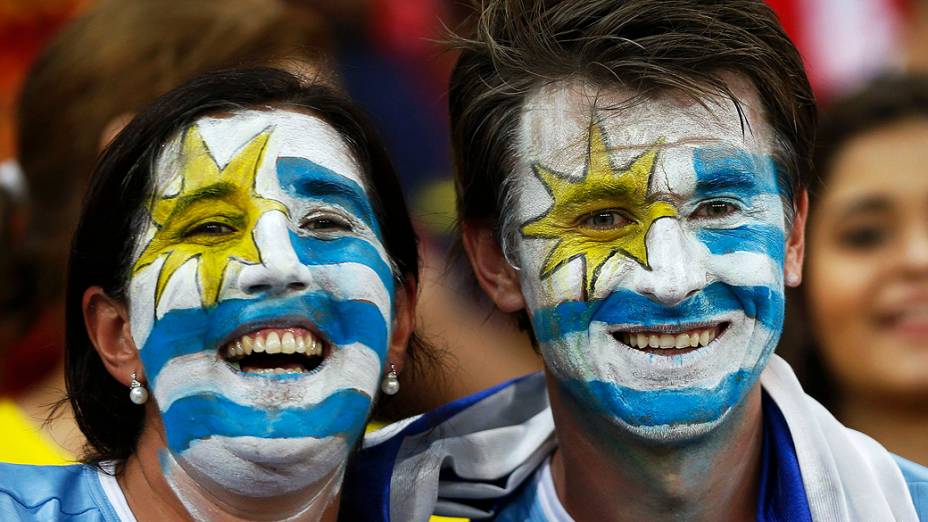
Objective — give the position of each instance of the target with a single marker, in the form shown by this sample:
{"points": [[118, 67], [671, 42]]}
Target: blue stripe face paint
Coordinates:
{"points": [[651, 246], [262, 303]]}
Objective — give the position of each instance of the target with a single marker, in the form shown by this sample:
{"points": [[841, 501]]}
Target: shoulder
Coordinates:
{"points": [[916, 477], [479, 448], [49, 493]]}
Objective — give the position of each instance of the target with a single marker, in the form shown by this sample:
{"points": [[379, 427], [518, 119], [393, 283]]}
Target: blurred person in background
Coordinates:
{"points": [[93, 76], [12, 219], [865, 313]]}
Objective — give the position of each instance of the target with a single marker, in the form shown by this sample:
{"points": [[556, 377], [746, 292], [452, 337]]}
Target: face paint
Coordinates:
{"points": [[651, 246], [261, 299]]}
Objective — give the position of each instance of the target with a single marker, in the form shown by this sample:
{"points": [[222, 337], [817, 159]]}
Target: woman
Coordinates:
{"points": [[866, 291], [241, 284]]}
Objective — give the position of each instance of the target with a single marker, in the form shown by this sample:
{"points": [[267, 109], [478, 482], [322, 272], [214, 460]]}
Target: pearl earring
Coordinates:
{"points": [[137, 392], [390, 384]]}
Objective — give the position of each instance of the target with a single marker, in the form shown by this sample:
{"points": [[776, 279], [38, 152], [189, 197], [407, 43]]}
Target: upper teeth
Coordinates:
{"points": [[274, 341], [688, 339]]}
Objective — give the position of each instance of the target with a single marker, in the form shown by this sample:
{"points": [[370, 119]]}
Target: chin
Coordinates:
{"points": [[661, 416], [265, 467], [673, 433], [668, 399]]}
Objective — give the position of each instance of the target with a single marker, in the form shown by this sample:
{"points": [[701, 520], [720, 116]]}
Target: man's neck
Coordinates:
{"points": [[158, 488], [603, 472]]}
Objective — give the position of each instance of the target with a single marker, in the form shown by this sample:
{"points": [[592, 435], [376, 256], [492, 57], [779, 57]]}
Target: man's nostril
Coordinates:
{"points": [[258, 289]]}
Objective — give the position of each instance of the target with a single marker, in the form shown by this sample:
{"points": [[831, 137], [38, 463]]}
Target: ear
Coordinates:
{"points": [[796, 244], [495, 275], [107, 323], [404, 324]]}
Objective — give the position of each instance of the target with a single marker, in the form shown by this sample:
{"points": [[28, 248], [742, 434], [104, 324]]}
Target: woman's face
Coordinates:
{"points": [[261, 301], [868, 263]]}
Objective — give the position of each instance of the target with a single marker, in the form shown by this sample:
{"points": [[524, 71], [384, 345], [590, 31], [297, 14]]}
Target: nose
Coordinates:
{"points": [[677, 268], [914, 254], [280, 270]]}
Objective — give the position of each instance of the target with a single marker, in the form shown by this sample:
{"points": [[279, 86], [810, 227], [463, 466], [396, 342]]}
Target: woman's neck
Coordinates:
{"points": [[158, 488], [604, 473], [900, 426]]}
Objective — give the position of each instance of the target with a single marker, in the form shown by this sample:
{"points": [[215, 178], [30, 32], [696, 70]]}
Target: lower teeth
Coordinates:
{"points": [[274, 371]]}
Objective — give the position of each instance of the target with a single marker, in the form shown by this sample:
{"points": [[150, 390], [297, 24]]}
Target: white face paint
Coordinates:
{"points": [[651, 245], [261, 300]]}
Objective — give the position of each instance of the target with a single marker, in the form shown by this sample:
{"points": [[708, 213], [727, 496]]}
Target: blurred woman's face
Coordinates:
{"points": [[868, 263], [261, 301]]}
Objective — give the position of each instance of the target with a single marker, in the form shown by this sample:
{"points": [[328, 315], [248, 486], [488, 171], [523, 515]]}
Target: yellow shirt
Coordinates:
{"points": [[24, 442]]}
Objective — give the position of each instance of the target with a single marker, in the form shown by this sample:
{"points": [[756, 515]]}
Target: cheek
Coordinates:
{"points": [[840, 293]]}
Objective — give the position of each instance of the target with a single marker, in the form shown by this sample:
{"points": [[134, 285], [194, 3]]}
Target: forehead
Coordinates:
{"points": [[292, 135], [886, 162], [556, 120]]}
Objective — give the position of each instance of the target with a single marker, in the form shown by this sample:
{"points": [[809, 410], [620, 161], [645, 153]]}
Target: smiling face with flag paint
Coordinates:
{"points": [[261, 301], [650, 241]]}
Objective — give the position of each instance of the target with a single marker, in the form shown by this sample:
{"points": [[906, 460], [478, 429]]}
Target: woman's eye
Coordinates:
{"points": [[863, 238], [326, 224], [211, 228], [714, 210], [604, 220]]}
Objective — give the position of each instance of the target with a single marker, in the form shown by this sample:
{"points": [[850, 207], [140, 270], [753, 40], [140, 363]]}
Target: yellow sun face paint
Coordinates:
{"points": [[621, 193], [209, 196]]}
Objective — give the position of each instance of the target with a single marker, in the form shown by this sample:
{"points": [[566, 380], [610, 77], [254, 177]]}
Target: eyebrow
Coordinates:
{"points": [[725, 169], [866, 204], [301, 177], [211, 192], [597, 193]]}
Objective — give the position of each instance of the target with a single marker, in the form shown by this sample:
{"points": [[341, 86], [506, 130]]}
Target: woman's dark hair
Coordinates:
{"points": [[113, 209], [881, 102]]}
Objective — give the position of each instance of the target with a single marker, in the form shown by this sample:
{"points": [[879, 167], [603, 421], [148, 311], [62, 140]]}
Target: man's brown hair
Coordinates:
{"points": [[649, 47]]}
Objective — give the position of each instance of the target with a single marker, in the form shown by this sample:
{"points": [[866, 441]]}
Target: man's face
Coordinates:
{"points": [[261, 301], [651, 246]]}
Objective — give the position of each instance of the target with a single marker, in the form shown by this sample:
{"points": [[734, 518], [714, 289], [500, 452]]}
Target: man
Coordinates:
{"points": [[631, 184]]}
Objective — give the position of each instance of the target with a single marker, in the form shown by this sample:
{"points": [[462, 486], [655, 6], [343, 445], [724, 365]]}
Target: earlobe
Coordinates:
{"points": [[795, 245], [404, 323], [107, 323], [496, 276]]}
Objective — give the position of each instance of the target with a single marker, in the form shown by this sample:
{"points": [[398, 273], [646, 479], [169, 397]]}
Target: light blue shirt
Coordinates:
{"points": [[916, 477], [50, 493]]}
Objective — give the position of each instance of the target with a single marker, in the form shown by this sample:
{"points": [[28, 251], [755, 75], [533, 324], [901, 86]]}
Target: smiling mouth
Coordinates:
{"points": [[275, 351], [671, 340]]}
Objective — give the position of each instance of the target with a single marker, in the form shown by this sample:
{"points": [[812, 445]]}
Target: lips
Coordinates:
{"points": [[275, 351], [670, 340]]}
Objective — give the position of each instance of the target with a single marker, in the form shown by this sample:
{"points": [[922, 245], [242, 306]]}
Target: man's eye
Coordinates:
{"points": [[714, 210], [211, 228], [326, 224], [604, 220]]}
